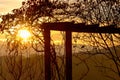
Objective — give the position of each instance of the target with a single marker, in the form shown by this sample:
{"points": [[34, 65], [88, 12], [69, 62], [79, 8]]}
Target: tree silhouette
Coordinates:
{"points": [[33, 13]]}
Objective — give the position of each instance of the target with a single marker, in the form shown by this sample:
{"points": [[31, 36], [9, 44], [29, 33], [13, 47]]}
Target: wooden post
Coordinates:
{"points": [[68, 48], [69, 28], [47, 55], [46, 1]]}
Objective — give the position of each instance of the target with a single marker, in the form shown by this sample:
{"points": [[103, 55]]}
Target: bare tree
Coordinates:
{"points": [[34, 12]]}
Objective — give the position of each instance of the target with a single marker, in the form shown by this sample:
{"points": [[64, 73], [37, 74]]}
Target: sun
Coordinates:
{"points": [[24, 34]]}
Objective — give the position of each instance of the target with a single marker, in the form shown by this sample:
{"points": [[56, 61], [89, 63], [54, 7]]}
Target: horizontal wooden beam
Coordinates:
{"points": [[69, 26]]}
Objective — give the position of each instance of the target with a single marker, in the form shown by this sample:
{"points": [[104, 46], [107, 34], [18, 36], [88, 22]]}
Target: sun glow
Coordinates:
{"points": [[24, 34]]}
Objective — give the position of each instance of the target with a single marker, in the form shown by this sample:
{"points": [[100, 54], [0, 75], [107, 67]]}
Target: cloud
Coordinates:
{"points": [[8, 5]]}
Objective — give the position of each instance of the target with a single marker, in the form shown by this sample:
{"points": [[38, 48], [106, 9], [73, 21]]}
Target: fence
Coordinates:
{"points": [[69, 27]]}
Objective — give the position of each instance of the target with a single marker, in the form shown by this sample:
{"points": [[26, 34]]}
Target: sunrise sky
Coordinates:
{"points": [[8, 5]]}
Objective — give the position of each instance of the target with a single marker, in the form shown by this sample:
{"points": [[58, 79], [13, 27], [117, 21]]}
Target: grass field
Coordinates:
{"points": [[32, 68]]}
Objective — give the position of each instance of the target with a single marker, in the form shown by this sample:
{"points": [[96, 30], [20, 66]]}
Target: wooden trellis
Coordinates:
{"points": [[69, 27]]}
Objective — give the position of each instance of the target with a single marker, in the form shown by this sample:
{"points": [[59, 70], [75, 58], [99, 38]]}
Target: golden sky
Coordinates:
{"points": [[8, 5]]}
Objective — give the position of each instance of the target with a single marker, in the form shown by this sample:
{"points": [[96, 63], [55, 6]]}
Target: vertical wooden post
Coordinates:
{"points": [[46, 1], [47, 55], [68, 48]]}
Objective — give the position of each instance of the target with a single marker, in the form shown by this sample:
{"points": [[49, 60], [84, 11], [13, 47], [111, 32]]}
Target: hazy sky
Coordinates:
{"points": [[8, 5]]}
